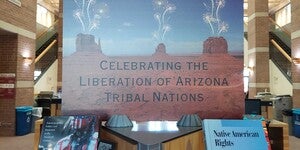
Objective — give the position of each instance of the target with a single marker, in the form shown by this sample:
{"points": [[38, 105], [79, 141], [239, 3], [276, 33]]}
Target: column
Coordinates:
{"points": [[17, 51], [60, 49], [258, 46], [295, 45]]}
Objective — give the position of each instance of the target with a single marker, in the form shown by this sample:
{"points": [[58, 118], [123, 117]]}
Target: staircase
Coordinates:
{"points": [[46, 50], [280, 49]]}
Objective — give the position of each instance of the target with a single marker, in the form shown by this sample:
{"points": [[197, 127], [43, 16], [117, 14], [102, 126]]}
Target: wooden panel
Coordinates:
{"points": [[58, 109], [283, 138], [37, 133], [121, 144], [267, 112], [193, 141], [53, 110], [270, 111]]}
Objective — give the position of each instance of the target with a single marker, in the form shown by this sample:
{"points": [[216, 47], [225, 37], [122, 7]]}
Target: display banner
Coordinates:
{"points": [[153, 59]]}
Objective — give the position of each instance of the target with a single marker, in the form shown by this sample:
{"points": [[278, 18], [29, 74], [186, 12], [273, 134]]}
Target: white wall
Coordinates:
{"points": [[48, 82], [246, 63], [279, 85]]}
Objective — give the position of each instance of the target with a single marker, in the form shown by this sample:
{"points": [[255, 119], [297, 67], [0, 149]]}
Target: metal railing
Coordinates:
{"points": [[46, 35], [46, 59], [283, 34], [46, 50], [280, 49]]}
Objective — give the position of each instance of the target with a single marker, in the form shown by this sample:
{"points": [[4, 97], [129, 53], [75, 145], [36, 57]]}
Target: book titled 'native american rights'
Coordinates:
{"points": [[234, 134]]}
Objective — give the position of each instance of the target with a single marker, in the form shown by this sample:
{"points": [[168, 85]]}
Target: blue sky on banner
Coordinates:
{"points": [[135, 27]]}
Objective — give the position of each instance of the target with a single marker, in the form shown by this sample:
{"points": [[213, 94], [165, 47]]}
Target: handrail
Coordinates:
{"points": [[281, 28], [281, 50], [45, 51]]}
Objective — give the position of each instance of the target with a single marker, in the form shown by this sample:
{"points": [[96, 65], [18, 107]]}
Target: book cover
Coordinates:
{"points": [[221, 134], [106, 145], [69, 133]]}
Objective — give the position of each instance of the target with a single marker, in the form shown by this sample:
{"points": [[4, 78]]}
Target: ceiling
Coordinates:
{"points": [[273, 5], [53, 5]]}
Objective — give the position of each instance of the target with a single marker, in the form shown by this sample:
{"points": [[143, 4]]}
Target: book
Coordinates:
{"points": [[222, 134], [69, 133]]}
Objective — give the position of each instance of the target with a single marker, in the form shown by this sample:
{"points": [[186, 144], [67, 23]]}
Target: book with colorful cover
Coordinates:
{"points": [[69, 132], [222, 134]]}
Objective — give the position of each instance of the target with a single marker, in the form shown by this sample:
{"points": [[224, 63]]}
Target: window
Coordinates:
{"points": [[283, 16], [246, 74], [44, 17]]}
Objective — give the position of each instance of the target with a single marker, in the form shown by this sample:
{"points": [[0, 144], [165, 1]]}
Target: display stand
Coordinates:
{"points": [[160, 135], [278, 134], [185, 137]]}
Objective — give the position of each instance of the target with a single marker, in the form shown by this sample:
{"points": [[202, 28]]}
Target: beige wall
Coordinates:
{"points": [[279, 85], [48, 82], [246, 62]]}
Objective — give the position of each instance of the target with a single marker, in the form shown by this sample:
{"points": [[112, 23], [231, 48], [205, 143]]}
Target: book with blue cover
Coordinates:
{"points": [[222, 134]]}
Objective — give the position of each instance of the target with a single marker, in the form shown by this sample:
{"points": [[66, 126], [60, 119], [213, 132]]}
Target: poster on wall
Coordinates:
{"points": [[153, 59]]}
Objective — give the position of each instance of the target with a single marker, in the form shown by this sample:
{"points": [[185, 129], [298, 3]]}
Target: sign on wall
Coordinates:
{"points": [[7, 85], [153, 60]]}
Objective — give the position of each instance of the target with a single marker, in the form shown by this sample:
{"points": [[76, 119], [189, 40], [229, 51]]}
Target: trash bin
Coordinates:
{"points": [[36, 115], [296, 122], [288, 118], [23, 120], [280, 103]]}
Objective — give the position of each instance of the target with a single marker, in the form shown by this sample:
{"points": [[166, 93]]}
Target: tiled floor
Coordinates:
{"points": [[26, 142], [17, 142], [294, 143]]}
